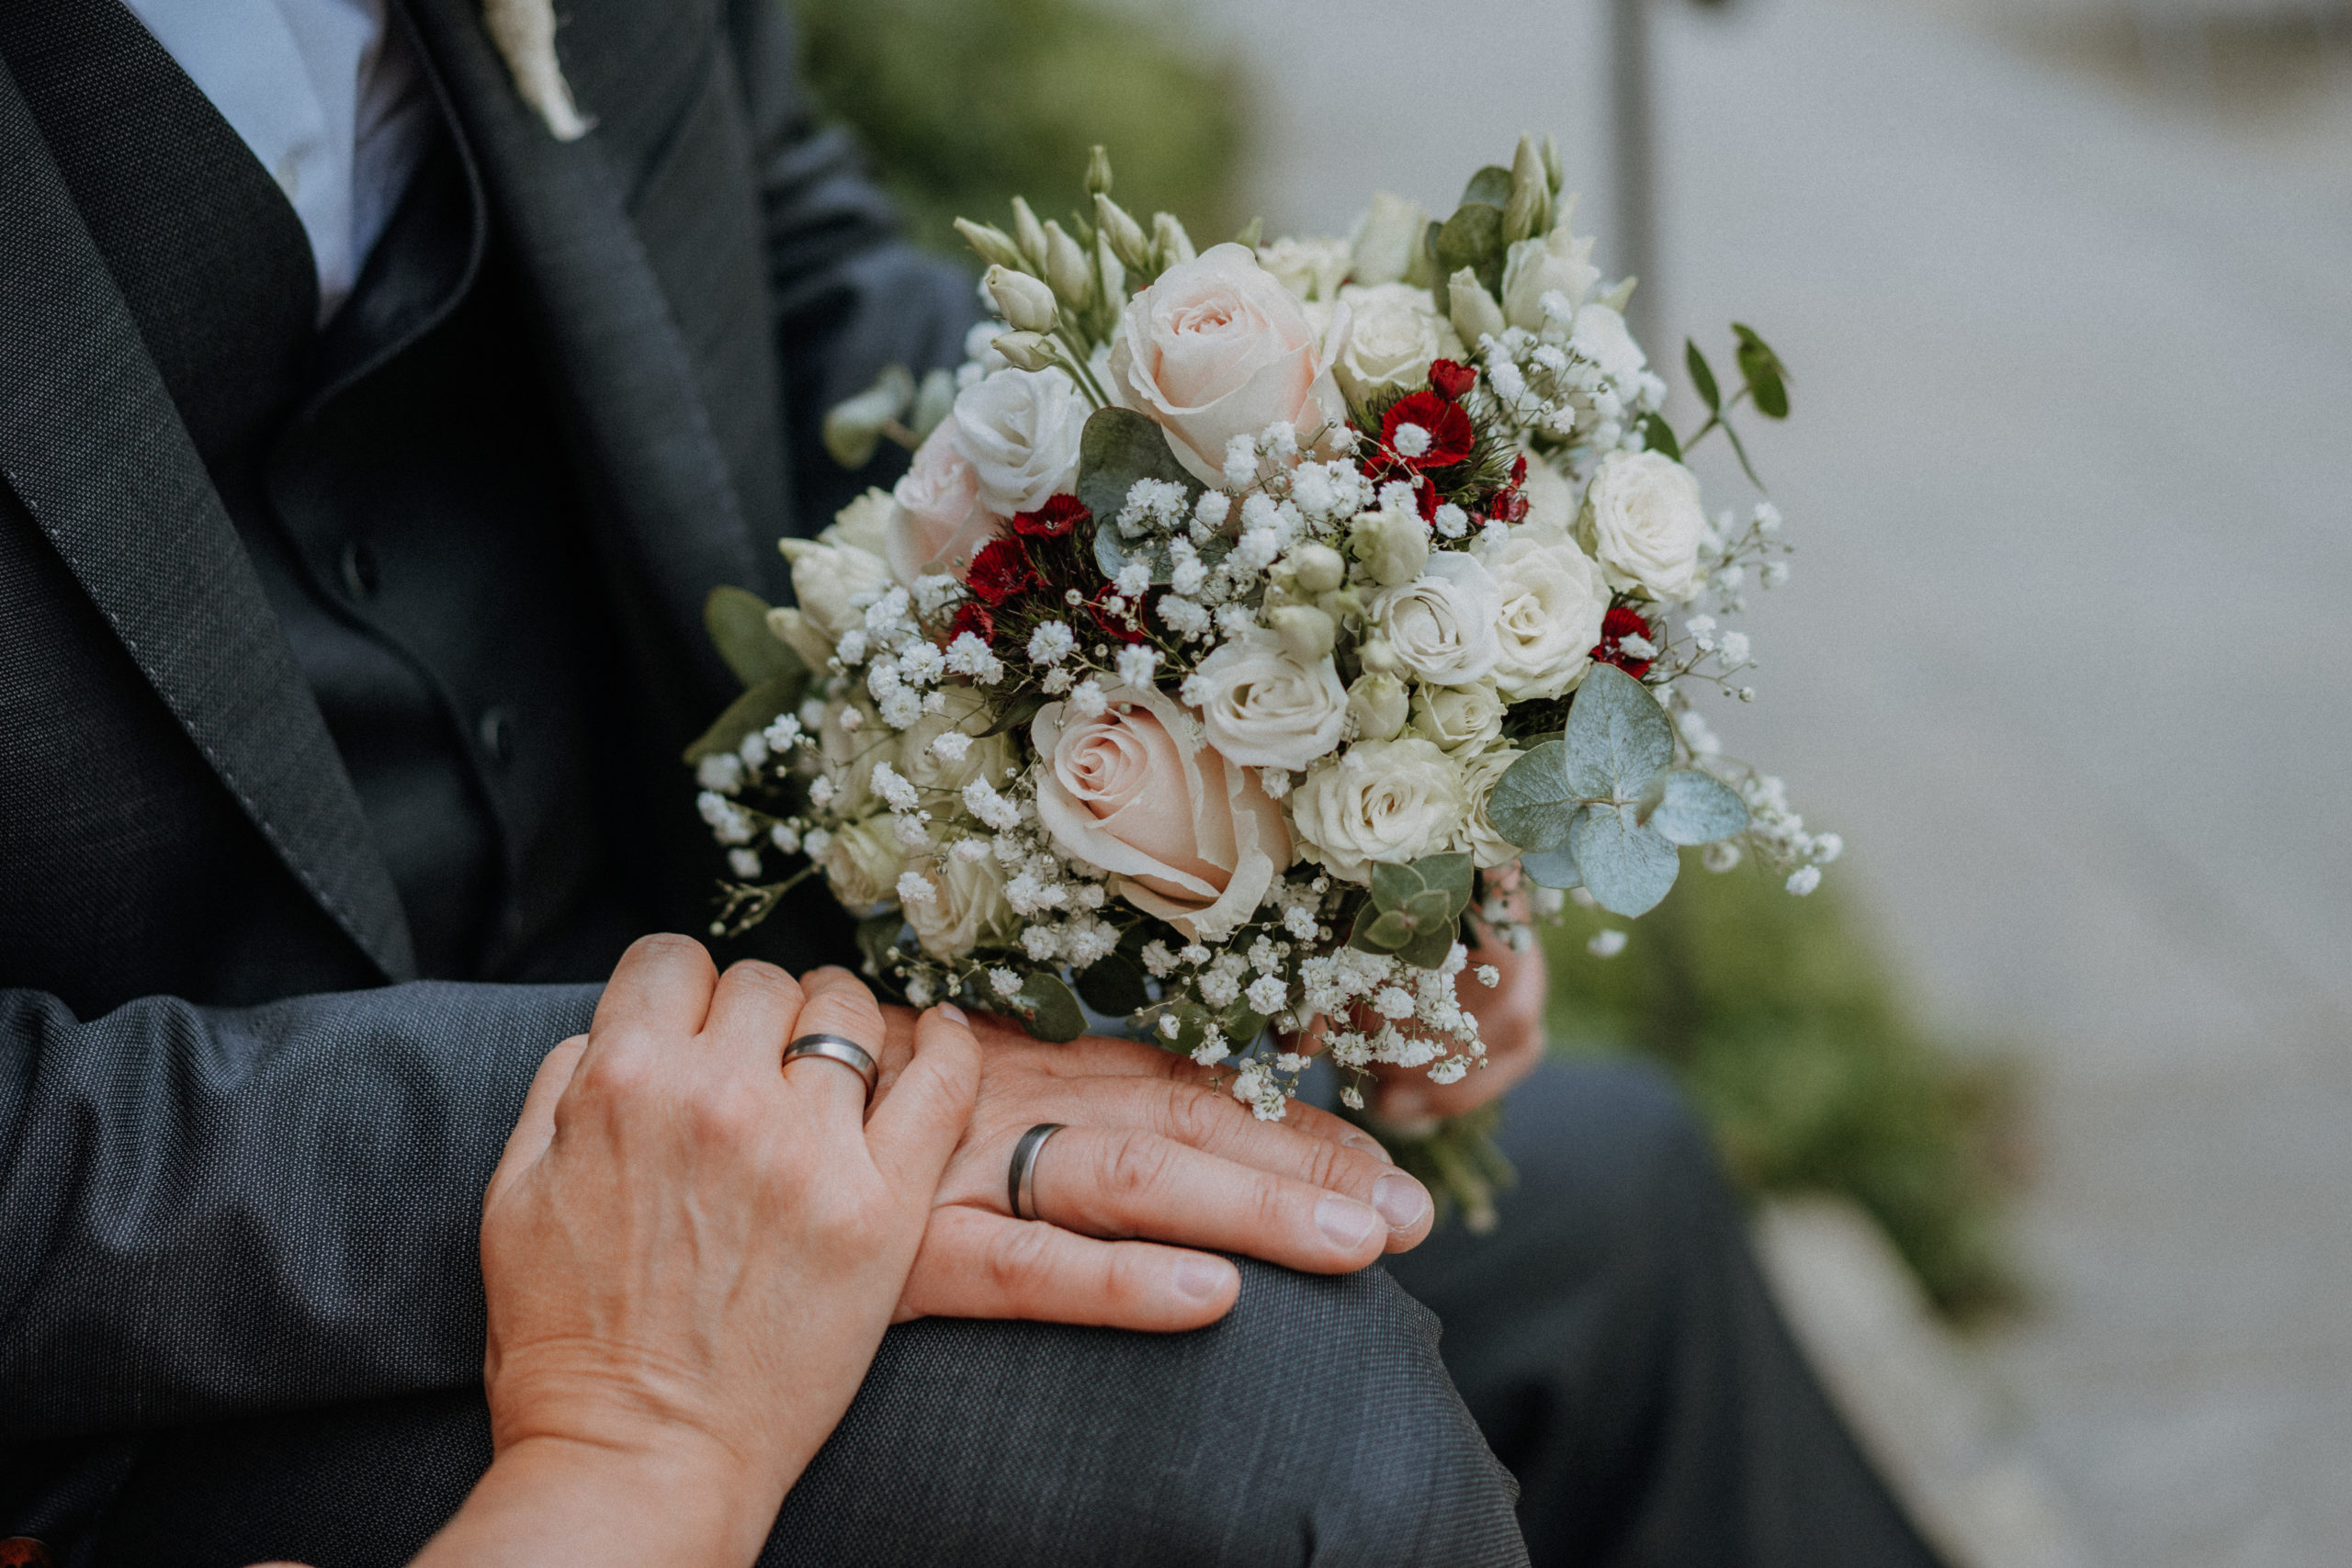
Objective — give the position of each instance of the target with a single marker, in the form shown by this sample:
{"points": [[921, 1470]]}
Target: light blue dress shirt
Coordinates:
{"points": [[327, 94]]}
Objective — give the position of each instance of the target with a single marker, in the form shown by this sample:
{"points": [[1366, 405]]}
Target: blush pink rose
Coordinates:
{"points": [[1186, 835], [939, 521], [1218, 348]]}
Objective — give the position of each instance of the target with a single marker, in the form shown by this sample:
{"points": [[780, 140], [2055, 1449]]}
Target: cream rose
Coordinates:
{"points": [[1219, 348], [926, 766], [968, 905], [863, 862], [1559, 262], [826, 577], [1311, 269], [863, 525], [1553, 600], [1186, 835], [1018, 430], [1488, 848], [1267, 709], [1459, 719], [1381, 800], [1643, 522], [1394, 333], [1442, 623], [1388, 238], [939, 520], [1551, 497]]}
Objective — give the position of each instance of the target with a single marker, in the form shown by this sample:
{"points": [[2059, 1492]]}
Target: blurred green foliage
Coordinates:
{"points": [[966, 104], [1785, 1028]]}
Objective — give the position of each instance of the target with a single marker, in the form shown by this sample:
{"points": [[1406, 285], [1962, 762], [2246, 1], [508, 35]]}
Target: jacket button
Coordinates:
{"points": [[24, 1551], [497, 731]]}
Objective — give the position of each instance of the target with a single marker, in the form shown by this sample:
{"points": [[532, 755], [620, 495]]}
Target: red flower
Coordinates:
{"points": [[973, 616], [1615, 628], [1054, 519], [1508, 507], [1446, 425], [1519, 471], [1124, 625], [1001, 570], [1450, 379]]}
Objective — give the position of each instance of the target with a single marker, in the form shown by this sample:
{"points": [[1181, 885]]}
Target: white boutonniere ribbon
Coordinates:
{"points": [[524, 31]]}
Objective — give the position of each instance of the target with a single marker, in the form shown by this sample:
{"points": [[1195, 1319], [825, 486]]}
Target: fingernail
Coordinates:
{"points": [[1369, 1145], [1400, 1200], [1344, 1220], [1201, 1279], [952, 1013]]}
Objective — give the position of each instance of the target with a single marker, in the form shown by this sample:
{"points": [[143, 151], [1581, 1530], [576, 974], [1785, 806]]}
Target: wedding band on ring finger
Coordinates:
{"points": [[838, 1048], [1021, 1176]]}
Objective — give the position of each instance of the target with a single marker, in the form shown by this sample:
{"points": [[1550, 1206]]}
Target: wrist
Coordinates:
{"points": [[672, 1495]]}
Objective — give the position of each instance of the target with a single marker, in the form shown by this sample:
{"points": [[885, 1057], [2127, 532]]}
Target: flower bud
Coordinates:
{"points": [[1026, 233], [934, 402], [1307, 633], [1318, 568], [1391, 547], [1552, 173], [1168, 237], [1475, 312], [1066, 268], [1378, 657], [1529, 211], [1387, 239], [1025, 351], [1098, 170], [1126, 238], [853, 426], [994, 245], [1023, 301], [1380, 706]]}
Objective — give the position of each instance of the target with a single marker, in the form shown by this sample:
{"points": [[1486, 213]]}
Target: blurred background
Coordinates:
{"points": [[2046, 1096]]}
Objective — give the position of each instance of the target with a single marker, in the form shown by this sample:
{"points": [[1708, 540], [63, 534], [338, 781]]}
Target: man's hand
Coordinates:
{"points": [[1510, 1021], [1149, 1150]]}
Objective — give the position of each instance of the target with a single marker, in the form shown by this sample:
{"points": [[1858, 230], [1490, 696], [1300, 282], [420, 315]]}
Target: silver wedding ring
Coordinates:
{"points": [[1020, 1181], [836, 1048]]}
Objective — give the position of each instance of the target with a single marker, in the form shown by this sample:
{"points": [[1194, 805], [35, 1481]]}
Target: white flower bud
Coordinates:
{"points": [[1027, 351], [1318, 568], [1023, 301], [1168, 237], [1378, 656], [1066, 270], [992, 244], [1028, 234], [1475, 312], [1380, 706], [1307, 633], [1392, 547], [1127, 239]]}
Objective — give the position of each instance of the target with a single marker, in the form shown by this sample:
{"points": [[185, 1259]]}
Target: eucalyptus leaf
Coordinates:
{"points": [[1702, 377], [1531, 805], [1048, 1011], [756, 709], [1659, 436], [1626, 867], [1551, 868], [1473, 237], [1453, 875], [1394, 884], [737, 620], [1429, 909], [1385, 932], [1191, 1026], [1117, 448], [1242, 1025], [1490, 185], [1113, 984], [1428, 947], [1618, 742], [1698, 808]]}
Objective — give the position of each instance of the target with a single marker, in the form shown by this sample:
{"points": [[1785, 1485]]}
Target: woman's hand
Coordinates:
{"points": [[690, 1255], [1510, 1021]]}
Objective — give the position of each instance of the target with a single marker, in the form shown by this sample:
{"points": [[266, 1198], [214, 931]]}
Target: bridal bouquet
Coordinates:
{"points": [[1254, 626]]}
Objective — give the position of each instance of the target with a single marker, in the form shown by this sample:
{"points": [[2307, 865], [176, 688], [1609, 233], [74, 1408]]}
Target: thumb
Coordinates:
{"points": [[913, 1131], [535, 1129]]}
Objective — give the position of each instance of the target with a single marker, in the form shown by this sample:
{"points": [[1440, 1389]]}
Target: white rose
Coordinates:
{"points": [[1309, 268], [1381, 800], [1551, 497], [1553, 601], [825, 578], [1018, 430], [1458, 718], [1441, 625], [1388, 238], [939, 520], [863, 862], [987, 756], [1395, 332], [1186, 835], [1643, 522], [1219, 348], [1600, 336], [1488, 848], [968, 905], [1267, 709], [1533, 268], [863, 525]]}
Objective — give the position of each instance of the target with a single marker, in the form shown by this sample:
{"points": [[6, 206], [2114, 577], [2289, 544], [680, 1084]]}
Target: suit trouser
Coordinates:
{"points": [[1611, 1339]]}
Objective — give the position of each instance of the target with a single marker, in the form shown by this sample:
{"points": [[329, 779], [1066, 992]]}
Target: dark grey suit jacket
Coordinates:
{"points": [[241, 1148]]}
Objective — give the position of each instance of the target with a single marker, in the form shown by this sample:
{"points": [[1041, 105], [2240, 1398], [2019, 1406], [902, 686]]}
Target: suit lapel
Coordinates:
{"points": [[624, 363], [92, 444]]}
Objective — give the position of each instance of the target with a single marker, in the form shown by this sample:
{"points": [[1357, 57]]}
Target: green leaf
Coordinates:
{"points": [[1551, 868], [1702, 377], [876, 936], [1381, 931], [1429, 910], [1242, 1025], [1453, 875], [1117, 448], [737, 620], [1531, 805], [1618, 743], [1698, 808], [1659, 436], [1048, 1011], [1473, 237], [1626, 867], [1767, 376], [1490, 185], [756, 709], [1113, 984], [1429, 946], [1192, 1023], [1393, 884]]}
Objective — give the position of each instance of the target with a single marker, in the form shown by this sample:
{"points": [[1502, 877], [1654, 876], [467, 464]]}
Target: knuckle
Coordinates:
{"points": [[1017, 1259], [720, 1119], [1134, 1164], [1196, 1115]]}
